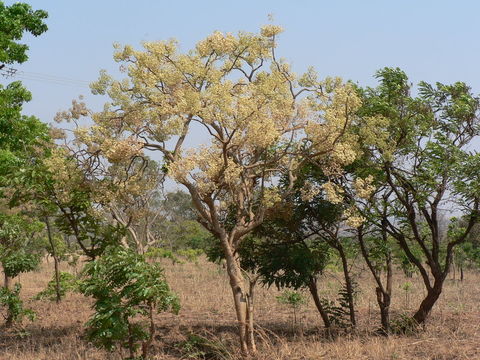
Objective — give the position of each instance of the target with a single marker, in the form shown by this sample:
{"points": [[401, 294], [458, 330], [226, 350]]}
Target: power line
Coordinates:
{"points": [[8, 72], [29, 73]]}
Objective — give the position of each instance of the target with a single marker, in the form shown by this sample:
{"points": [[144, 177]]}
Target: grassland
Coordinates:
{"points": [[452, 332]]}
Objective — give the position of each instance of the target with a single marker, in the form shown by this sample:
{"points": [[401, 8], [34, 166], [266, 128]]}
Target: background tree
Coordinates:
{"points": [[422, 149]]}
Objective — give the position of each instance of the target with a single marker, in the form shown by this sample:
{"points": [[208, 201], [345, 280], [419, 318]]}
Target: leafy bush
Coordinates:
{"points": [[190, 255], [19, 262], [68, 282], [127, 290], [10, 299], [177, 257]]}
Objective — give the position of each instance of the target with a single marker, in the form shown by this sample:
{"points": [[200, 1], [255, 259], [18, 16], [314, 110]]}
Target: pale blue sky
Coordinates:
{"points": [[430, 40]]}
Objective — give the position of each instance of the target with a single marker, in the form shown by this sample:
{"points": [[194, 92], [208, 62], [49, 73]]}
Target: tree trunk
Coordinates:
{"points": [[348, 285], [383, 300], [240, 298], [250, 312], [146, 344], [55, 261], [428, 302], [384, 297], [387, 297], [6, 281], [131, 345], [461, 272], [312, 286]]}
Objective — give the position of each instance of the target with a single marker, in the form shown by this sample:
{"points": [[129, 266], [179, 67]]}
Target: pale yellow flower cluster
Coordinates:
{"points": [[207, 167], [103, 193], [353, 218], [232, 173], [132, 194], [334, 192], [218, 43], [344, 154], [121, 150], [331, 138], [364, 187], [181, 168], [56, 133], [271, 197], [261, 133], [309, 191], [271, 30], [64, 172], [78, 110], [82, 135]]}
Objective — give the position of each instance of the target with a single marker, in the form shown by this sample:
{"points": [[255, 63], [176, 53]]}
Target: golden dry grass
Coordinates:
{"points": [[453, 331]]}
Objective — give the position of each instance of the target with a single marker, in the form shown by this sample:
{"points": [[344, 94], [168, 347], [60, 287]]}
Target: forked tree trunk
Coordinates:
{"points": [[428, 302], [383, 292], [384, 305]]}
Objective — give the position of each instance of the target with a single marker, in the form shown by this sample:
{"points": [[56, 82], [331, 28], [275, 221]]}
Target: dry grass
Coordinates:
{"points": [[453, 331]]}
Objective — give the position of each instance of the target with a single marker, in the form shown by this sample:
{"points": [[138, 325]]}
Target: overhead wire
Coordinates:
{"points": [[41, 77]]}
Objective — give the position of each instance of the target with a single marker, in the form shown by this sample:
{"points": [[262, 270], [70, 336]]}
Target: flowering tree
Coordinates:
{"points": [[257, 115]]}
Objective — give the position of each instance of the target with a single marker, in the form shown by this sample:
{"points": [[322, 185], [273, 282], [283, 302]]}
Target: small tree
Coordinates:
{"points": [[294, 299], [19, 253], [15, 312], [126, 289]]}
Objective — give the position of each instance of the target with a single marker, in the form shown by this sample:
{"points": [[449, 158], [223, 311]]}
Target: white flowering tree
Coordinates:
{"points": [[259, 119]]}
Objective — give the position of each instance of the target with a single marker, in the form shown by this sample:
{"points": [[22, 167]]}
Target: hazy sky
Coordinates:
{"points": [[432, 40]]}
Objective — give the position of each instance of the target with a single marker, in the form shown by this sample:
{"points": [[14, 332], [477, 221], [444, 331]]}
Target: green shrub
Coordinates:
{"points": [[68, 282], [127, 290], [190, 255], [10, 299], [178, 257], [20, 262]]}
